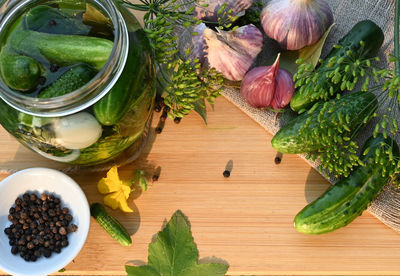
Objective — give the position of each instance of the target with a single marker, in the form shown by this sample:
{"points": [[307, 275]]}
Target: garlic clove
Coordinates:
{"points": [[77, 131], [284, 90], [233, 52], [210, 13], [258, 86], [296, 24]]}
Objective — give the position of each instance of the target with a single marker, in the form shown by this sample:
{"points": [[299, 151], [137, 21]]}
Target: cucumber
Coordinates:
{"points": [[71, 80], [138, 72], [348, 198], [63, 50], [303, 134], [19, 72], [366, 31], [46, 19], [112, 226]]}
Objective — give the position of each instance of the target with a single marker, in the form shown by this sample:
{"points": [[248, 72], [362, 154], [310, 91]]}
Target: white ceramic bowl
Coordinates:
{"points": [[41, 180]]}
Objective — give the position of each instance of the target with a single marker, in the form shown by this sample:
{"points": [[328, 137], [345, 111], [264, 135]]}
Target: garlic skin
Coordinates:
{"points": [[210, 13], [258, 86], [199, 43], [233, 52], [295, 24], [284, 90]]}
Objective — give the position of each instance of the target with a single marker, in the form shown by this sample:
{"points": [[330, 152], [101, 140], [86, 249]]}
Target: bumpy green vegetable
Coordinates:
{"points": [[71, 80], [348, 198], [112, 226], [342, 67], [326, 124], [63, 50], [46, 19], [19, 72]]}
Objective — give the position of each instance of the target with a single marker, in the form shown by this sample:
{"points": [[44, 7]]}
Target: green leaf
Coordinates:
{"points": [[140, 178], [144, 270], [200, 108], [174, 253], [92, 14], [310, 54]]}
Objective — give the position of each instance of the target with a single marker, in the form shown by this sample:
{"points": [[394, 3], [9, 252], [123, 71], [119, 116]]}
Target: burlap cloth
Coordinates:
{"points": [[347, 13]]}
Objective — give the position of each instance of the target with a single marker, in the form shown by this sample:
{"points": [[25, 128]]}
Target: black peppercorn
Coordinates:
{"points": [[158, 130], [226, 173], [14, 250], [40, 226]]}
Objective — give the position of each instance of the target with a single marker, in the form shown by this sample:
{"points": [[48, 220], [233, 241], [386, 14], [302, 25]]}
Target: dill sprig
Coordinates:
{"points": [[343, 72], [183, 79], [339, 157]]}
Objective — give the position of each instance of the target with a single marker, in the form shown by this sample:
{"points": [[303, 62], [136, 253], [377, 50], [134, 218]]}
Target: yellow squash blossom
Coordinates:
{"points": [[117, 191]]}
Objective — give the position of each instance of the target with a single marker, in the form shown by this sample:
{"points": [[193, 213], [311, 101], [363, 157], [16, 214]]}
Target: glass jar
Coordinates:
{"points": [[107, 116]]}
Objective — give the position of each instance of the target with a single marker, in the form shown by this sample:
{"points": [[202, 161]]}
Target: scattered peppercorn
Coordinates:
{"points": [[155, 177], [157, 108], [278, 158], [226, 173], [40, 226], [42, 80], [177, 120], [158, 130]]}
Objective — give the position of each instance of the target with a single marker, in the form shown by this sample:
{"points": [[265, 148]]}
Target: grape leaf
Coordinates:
{"points": [[310, 54], [200, 108], [174, 253]]}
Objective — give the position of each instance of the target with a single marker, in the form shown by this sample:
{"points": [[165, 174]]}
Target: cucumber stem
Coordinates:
{"points": [[396, 37]]}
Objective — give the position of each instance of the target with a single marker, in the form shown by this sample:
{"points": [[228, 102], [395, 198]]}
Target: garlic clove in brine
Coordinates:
{"points": [[284, 90], [258, 86], [233, 52], [213, 13], [296, 24]]}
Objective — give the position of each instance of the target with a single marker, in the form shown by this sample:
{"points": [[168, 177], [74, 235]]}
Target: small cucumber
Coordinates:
{"points": [[356, 106], [19, 72], [348, 198], [366, 31], [112, 226], [112, 108], [61, 49], [71, 80], [46, 19]]}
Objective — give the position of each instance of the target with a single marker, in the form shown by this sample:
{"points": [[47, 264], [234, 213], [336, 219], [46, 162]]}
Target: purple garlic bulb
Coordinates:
{"points": [[210, 13], [258, 86], [268, 86], [295, 24], [233, 52], [284, 90]]}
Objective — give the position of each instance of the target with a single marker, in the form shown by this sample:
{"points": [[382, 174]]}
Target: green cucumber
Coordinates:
{"points": [[119, 100], [71, 80], [356, 106], [366, 31], [46, 19], [19, 72], [348, 198], [63, 50], [112, 226]]}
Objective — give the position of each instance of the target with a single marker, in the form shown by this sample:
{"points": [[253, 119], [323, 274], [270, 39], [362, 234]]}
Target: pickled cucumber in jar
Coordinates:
{"points": [[57, 51]]}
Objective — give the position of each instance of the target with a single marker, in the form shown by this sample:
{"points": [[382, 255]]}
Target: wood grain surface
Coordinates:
{"points": [[245, 220]]}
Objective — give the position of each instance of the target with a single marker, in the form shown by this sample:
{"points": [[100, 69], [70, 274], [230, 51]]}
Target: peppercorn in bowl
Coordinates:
{"points": [[44, 221]]}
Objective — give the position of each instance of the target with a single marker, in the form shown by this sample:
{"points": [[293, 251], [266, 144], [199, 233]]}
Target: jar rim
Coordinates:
{"points": [[86, 95]]}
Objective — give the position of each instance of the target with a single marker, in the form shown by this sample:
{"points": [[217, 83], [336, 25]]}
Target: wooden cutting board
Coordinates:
{"points": [[245, 220]]}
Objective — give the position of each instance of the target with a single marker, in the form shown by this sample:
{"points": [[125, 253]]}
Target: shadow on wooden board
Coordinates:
{"points": [[315, 186]]}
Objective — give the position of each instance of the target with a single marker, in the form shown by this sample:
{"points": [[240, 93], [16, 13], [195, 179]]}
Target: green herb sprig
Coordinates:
{"points": [[340, 156], [185, 83]]}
